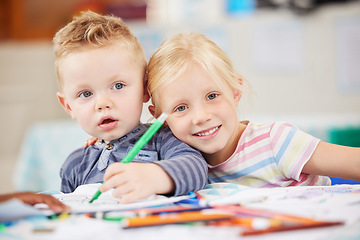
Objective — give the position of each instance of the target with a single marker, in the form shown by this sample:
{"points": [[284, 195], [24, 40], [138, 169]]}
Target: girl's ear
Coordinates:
{"points": [[152, 111], [238, 91], [64, 103]]}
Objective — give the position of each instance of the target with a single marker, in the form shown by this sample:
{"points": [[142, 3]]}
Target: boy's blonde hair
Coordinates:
{"points": [[175, 54], [92, 30]]}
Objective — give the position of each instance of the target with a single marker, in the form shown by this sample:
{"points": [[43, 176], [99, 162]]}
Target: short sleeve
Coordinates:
{"points": [[292, 148]]}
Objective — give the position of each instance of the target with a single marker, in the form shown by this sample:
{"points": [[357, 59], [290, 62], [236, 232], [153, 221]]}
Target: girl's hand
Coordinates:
{"points": [[32, 198], [90, 141], [134, 181]]}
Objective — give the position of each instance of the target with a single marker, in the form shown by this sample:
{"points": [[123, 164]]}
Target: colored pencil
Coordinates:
{"points": [[180, 217]]}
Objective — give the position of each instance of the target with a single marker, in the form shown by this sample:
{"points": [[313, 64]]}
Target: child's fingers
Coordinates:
{"points": [[90, 141], [55, 204], [122, 190], [113, 182], [130, 197], [135, 195], [34, 198], [112, 170]]}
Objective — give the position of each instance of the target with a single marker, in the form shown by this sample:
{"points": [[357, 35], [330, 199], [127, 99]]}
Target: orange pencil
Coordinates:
{"points": [[181, 217]]}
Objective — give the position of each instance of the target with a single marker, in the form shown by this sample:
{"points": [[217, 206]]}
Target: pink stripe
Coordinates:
{"points": [[306, 156], [313, 181], [248, 157], [278, 134], [302, 178], [254, 141], [271, 185], [280, 183]]}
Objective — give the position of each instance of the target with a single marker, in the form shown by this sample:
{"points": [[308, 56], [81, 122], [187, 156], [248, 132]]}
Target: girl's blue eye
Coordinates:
{"points": [[180, 109], [85, 94], [212, 96], [118, 86]]}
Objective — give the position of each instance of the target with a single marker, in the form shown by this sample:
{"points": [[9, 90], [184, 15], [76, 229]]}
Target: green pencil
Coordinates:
{"points": [[139, 145]]}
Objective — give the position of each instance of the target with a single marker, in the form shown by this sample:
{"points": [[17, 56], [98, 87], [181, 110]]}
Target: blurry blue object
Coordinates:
{"points": [[335, 181], [43, 151], [240, 7]]}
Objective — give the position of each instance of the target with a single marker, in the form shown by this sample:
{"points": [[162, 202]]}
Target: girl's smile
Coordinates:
{"points": [[209, 133], [203, 115]]}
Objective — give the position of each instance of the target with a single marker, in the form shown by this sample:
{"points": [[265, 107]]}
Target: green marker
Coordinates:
{"points": [[139, 145]]}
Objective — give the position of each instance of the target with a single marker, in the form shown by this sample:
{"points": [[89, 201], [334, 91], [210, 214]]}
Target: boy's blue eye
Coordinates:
{"points": [[118, 86], [180, 109], [212, 96], [85, 94]]}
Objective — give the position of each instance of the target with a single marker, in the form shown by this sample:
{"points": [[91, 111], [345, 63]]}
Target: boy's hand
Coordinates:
{"points": [[90, 141], [134, 181], [32, 198]]}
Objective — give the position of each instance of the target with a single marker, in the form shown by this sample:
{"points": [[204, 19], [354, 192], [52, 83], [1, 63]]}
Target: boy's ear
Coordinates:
{"points": [[152, 110], [64, 103], [146, 96]]}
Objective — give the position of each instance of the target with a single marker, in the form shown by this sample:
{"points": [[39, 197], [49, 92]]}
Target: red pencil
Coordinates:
{"points": [[199, 196]]}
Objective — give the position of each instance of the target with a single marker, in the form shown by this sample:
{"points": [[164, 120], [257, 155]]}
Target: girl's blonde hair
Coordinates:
{"points": [[92, 30], [175, 54]]}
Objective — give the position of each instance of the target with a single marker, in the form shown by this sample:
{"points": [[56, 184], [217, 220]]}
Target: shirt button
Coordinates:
{"points": [[109, 146], [100, 141]]}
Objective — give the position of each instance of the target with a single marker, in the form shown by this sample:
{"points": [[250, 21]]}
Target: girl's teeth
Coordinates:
{"points": [[208, 132]]}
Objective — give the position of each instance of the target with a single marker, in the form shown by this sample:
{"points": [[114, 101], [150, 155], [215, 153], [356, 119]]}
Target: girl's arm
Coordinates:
{"points": [[334, 161]]}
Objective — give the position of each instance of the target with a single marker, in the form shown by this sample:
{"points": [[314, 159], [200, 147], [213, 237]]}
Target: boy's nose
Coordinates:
{"points": [[103, 103]]}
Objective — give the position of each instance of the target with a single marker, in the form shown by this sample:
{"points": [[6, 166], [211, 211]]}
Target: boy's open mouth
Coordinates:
{"points": [[108, 123]]}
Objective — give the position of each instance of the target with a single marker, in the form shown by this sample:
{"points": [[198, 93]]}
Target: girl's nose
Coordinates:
{"points": [[103, 103], [201, 116]]}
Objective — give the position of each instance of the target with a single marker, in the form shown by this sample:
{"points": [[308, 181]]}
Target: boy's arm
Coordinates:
{"points": [[133, 181], [185, 165], [187, 169], [175, 176], [69, 174], [334, 161], [181, 169]]}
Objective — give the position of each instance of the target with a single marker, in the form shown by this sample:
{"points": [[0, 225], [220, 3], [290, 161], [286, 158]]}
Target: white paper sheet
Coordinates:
{"points": [[79, 200], [15, 209]]}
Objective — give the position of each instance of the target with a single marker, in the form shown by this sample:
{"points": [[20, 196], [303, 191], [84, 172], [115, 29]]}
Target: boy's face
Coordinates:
{"points": [[103, 90], [199, 112]]}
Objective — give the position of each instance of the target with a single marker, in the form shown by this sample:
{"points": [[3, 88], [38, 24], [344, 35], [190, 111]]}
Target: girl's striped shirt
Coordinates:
{"points": [[269, 155]]}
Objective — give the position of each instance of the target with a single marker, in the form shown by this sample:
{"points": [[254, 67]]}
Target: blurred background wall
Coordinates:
{"points": [[302, 59]]}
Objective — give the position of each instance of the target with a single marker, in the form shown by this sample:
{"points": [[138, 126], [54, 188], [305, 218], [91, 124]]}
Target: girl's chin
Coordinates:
{"points": [[209, 149]]}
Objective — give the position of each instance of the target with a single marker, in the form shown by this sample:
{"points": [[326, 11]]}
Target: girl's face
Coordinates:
{"points": [[201, 114]]}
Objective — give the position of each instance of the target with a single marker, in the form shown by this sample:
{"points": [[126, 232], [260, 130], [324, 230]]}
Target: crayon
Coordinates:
{"points": [[138, 146], [171, 218]]}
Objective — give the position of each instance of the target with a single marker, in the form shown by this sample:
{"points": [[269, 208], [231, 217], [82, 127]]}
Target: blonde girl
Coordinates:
{"points": [[193, 81]]}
